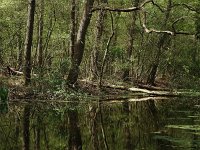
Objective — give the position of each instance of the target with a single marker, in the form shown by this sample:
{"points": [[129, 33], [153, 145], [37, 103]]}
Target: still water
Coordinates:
{"points": [[169, 124]]}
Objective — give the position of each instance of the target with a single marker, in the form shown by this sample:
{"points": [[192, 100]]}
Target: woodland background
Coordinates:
{"points": [[122, 40]]}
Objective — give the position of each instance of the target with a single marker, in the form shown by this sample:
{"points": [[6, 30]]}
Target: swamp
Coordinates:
{"points": [[99, 75]]}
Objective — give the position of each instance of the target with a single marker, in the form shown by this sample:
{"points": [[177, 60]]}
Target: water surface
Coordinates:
{"points": [[172, 124]]}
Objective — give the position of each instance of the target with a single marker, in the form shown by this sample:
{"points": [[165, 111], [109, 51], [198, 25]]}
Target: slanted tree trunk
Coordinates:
{"points": [[161, 43], [80, 43], [40, 35], [131, 31], [154, 67], [28, 41], [95, 66]]}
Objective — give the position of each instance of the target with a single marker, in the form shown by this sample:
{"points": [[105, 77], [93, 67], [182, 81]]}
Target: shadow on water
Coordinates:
{"points": [[100, 125]]}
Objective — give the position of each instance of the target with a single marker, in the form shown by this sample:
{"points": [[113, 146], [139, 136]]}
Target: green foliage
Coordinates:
{"points": [[64, 66], [116, 52]]}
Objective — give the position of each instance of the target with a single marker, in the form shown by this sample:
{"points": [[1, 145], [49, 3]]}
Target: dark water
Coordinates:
{"points": [[172, 124]]}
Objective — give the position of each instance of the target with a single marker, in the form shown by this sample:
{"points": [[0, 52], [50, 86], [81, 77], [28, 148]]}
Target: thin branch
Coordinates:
{"points": [[107, 49], [162, 10], [124, 9], [179, 32], [191, 8]]}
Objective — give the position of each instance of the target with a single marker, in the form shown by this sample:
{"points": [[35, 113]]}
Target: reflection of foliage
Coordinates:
{"points": [[3, 100], [125, 124], [181, 142], [3, 94], [185, 127]]}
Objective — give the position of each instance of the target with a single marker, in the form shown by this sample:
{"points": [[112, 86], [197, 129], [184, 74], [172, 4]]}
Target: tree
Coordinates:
{"points": [[80, 43], [131, 32], [160, 45], [28, 41], [40, 35]]}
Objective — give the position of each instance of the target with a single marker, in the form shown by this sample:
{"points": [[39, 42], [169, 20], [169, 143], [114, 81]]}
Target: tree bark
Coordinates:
{"points": [[80, 43], [28, 41]]}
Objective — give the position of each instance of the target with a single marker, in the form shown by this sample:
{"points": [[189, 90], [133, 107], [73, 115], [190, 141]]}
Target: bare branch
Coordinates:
{"points": [[173, 33], [175, 22], [152, 30], [124, 9]]}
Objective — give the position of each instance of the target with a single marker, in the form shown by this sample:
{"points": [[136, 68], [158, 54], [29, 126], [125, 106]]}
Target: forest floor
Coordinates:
{"points": [[86, 88]]}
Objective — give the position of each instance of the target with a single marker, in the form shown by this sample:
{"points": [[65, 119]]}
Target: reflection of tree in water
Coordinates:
{"points": [[75, 142], [142, 119], [97, 128], [128, 142], [26, 127], [94, 126], [126, 126]]}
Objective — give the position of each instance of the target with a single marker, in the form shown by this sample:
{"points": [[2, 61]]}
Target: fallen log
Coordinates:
{"points": [[166, 93], [135, 89], [12, 71], [150, 87]]}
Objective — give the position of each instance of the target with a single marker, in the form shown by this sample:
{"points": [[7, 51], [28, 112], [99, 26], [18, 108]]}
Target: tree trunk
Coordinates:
{"points": [[131, 31], [95, 65], [73, 28], [28, 41], [161, 43], [40, 35], [80, 43]]}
